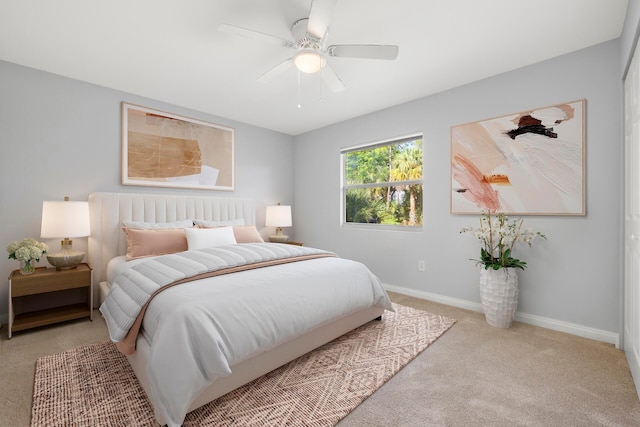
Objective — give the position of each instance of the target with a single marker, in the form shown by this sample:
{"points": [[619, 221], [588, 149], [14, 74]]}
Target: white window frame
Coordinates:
{"points": [[344, 187]]}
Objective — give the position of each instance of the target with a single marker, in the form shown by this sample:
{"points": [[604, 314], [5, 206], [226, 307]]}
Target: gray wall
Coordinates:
{"points": [[61, 137], [573, 277]]}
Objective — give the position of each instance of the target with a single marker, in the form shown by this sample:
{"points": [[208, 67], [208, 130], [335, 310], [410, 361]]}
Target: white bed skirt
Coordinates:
{"points": [[260, 364]]}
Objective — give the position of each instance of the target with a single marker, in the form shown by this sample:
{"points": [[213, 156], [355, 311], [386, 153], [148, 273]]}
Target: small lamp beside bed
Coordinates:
{"points": [[65, 219], [278, 216]]}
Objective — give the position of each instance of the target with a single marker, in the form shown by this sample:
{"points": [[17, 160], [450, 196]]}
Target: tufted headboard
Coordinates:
{"points": [[108, 210]]}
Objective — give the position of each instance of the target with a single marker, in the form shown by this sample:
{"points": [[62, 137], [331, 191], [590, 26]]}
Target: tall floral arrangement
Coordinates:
{"points": [[498, 235], [26, 251]]}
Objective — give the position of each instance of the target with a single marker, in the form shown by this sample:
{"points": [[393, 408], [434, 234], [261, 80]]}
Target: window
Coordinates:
{"points": [[382, 183]]}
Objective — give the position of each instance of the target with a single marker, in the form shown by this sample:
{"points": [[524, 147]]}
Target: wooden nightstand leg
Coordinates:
{"points": [[10, 322], [90, 298]]}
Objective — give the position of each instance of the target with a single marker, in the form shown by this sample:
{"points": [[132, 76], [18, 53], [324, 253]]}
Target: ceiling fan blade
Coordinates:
{"points": [[370, 51], [255, 35], [331, 79], [278, 69], [319, 17]]}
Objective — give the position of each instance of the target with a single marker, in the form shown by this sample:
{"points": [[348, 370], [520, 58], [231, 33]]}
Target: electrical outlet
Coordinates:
{"points": [[420, 265]]}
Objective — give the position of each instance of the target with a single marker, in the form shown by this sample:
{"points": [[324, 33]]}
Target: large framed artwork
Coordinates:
{"points": [[528, 163], [166, 150]]}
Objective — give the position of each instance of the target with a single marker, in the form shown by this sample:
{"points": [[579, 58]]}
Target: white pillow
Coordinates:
{"points": [[185, 223], [201, 238], [213, 223]]}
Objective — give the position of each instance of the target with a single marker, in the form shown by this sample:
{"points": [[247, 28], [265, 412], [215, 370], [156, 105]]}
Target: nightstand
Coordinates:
{"points": [[293, 243], [48, 281]]}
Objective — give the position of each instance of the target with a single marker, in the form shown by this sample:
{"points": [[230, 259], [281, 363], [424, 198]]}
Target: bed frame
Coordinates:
{"points": [[108, 210]]}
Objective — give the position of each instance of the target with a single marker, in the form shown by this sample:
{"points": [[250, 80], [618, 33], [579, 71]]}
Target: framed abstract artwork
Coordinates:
{"points": [[166, 150], [528, 163]]}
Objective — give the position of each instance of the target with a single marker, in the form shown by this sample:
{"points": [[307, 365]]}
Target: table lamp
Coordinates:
{"points": [[278, 216], [64, 220]]}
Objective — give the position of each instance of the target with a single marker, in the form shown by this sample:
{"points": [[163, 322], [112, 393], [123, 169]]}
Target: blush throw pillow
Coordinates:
{"points": [[150, 242], [247, 234], [201, 238]]}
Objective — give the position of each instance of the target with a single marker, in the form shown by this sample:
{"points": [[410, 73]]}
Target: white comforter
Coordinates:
{"points": [[199, 331]]}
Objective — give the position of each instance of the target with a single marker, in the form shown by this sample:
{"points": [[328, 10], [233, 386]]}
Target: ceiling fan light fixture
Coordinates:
{"points": [[309, 61]]}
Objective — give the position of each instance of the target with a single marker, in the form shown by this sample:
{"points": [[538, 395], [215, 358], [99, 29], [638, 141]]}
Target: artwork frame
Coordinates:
{"points": [[527, 163], [161, 149]]}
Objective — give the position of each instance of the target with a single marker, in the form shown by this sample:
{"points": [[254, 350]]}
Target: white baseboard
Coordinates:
{"points": [[544, 322]]}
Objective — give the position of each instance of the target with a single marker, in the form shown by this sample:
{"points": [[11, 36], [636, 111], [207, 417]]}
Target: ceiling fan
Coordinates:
{"points": [[310, 43]]}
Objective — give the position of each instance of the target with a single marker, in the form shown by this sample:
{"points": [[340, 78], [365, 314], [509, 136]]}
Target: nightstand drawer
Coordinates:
{"points": [[40, 282]]}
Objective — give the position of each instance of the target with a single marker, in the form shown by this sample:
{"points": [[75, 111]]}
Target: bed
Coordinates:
{"points": [[304, 304]]}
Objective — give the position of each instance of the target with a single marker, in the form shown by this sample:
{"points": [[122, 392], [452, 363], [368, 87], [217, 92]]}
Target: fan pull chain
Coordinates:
{"points": [[299, 92]]}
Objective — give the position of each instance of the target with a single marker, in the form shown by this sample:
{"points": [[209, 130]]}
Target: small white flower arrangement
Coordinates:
{"points": [[499, 235], [26, 251]]}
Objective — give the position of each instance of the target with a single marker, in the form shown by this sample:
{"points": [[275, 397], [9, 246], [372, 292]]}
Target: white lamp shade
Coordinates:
{"points": [[65, 219], [278, 216]]}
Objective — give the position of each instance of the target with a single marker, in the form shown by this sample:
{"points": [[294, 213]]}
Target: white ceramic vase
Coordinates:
{"points": [[499, 295]]}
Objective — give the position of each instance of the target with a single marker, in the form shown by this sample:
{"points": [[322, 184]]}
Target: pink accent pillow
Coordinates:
{"points": [[150, 242], [247, 234]]}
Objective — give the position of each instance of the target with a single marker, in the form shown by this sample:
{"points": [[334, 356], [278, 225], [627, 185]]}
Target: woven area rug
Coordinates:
{"points": [[94, 385]]}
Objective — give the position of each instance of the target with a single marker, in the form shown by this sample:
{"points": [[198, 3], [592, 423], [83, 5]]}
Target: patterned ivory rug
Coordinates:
{"points": [[94, 385]]}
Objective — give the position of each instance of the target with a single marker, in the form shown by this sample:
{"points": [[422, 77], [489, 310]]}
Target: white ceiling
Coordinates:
{"points": [[172, 51]]}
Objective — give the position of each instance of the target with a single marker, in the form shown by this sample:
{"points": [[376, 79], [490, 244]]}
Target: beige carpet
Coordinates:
{"points": [[94, 385]]}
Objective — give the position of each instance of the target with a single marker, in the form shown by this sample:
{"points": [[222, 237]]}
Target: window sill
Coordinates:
{"points": [[383, 227]]}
